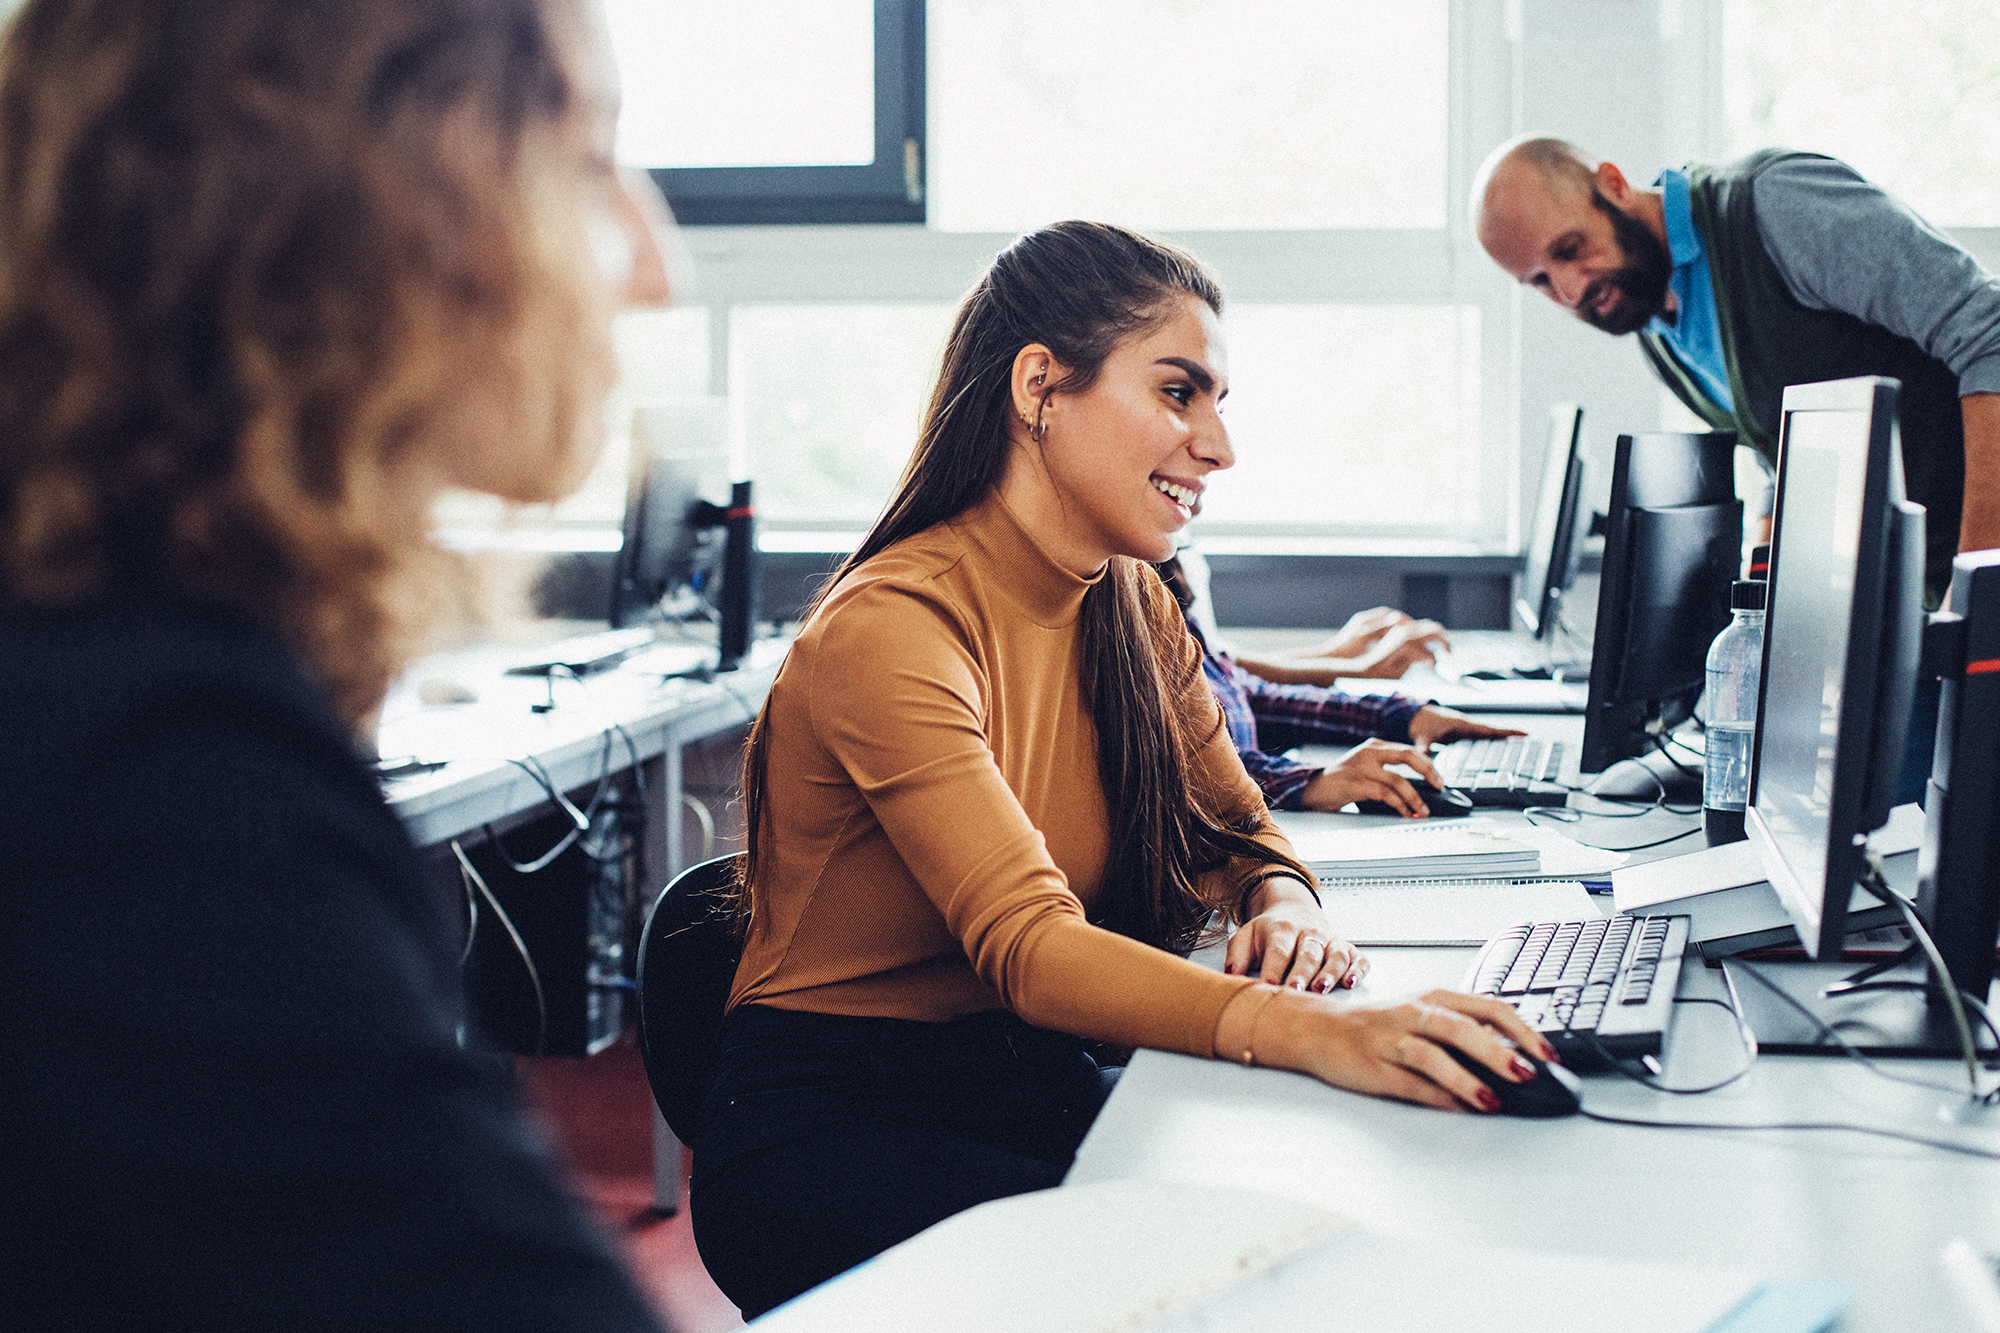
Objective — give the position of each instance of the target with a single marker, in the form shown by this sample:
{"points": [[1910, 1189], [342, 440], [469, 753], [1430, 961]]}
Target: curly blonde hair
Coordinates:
{"points": [[244, 245]]}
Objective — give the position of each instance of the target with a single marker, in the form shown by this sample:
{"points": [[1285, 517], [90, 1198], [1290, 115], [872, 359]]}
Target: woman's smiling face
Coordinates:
{"points": [[1123, 464]]}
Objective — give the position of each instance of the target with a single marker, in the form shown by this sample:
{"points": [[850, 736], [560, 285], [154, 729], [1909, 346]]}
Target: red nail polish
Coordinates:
{"points": [[1298, 983], [1487, 1100], [1523, 1071], [1549, 1052]]}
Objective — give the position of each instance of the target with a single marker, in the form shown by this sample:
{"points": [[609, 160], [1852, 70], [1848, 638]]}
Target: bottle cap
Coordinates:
{"points": [[1746, 595], [1760, 561]]}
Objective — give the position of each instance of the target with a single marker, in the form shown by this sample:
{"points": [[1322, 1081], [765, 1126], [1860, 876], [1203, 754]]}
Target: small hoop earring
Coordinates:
{"points": [[1038, 429]]}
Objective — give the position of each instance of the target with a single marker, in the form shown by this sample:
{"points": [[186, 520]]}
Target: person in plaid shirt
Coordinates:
{"points": [[1267, 718]]}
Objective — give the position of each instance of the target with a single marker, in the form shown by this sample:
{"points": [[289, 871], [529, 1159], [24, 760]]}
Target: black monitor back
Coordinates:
{"points": [[1673, 545], [1958, 888]]}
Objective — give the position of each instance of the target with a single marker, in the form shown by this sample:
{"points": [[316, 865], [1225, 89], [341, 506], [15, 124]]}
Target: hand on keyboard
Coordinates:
{"points": [[1434, 726]]}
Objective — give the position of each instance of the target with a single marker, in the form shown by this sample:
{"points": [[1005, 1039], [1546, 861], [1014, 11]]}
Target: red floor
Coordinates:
{"points": [[600, 1112]]}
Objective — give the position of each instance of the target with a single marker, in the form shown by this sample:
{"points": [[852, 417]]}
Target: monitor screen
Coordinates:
{"points": [[1841, 631], [1806, 630], [1551, 549]]}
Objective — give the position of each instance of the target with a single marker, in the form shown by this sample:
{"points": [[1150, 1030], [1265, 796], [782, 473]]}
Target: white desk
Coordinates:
{"points": [[1778, 1203], [610, 721]]}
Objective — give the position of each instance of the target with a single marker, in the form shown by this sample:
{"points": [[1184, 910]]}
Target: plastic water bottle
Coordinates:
{"points": [[1735, 660]]}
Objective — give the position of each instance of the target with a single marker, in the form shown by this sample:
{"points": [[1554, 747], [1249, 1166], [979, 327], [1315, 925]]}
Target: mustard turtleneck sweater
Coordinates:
{"points": [[937, 829]]}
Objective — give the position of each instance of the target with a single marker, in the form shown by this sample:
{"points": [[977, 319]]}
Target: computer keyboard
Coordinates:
{"points": [[1508, 773], [1597, 990]]}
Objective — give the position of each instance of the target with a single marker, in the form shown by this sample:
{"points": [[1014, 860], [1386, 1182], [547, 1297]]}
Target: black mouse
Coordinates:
{"points": [[1552, 1092], [1442, 802]]}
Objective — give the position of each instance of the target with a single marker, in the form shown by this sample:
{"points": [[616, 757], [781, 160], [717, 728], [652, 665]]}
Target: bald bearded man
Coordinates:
{"points": [[1781, 268]]}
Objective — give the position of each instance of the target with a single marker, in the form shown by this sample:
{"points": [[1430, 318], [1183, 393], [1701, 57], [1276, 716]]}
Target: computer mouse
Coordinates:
{"points": [[1552, 1092], [1442, 802]]}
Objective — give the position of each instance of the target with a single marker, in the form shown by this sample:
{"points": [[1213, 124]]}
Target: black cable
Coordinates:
{"points": [[1943, 1145], [1550, 812], [1644, 1080], [467, 871], [580, 818], [641, 867], [1876, 883], [1829, 1034]]}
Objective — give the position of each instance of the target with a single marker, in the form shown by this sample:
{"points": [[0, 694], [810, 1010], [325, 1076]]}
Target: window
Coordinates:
{"points": [[772, 111], [1333, 409], [828, 399], [1907, 94], [1316, 156], [1189, 114]]}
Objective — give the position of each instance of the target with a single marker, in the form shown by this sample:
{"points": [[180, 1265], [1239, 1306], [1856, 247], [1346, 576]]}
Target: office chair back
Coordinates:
{"points": [[687, 959]]}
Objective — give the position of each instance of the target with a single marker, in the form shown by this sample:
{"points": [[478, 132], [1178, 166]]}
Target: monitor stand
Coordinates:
{"points": [[1877, 1022], [1630, 781]]}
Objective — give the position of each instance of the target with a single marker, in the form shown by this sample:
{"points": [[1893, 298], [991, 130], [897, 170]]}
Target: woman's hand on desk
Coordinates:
{"points": [[1289, 942], [1398, 1051]]}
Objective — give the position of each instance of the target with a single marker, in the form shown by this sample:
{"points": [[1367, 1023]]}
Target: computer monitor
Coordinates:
{"points": [[1843, 623], [1672, 544], [1552, 545], [684, 555], [1844, 636], [674, 531]]}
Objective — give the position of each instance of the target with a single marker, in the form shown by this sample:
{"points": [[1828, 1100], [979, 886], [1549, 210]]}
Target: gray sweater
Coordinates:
{"points": [[1844, 244]]}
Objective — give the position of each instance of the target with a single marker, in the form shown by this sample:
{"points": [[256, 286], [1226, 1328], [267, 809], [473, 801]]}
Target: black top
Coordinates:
{"points": [[1770, 340], [230, 1072]]}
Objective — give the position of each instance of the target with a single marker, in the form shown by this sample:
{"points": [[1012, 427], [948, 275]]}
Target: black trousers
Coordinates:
{"points": [[826, 1139]]}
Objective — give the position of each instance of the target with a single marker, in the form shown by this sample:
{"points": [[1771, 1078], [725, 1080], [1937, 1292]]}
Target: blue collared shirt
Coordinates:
{"points": [[1696, 333]]}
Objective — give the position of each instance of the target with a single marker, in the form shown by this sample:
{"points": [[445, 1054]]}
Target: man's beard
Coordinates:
{"points": [[1641, 282]]}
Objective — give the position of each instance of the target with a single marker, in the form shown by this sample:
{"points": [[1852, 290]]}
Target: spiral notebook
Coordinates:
{"points": [[1448, 912]]}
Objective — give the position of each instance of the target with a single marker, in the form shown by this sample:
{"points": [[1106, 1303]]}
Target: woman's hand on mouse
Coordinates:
{"points": [[1289, 942], [1397, 1051], [1363, 774], [1432, 725]]}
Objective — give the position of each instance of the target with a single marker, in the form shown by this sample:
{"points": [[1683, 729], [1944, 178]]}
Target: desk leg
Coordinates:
{"points": [[665, 858]]}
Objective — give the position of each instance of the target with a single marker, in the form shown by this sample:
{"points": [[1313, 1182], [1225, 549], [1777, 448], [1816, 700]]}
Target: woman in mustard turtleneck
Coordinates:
{"points": [[992, 805]]}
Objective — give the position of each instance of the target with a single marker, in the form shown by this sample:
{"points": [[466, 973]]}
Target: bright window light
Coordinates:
{"points": [[1188, 114], [1350, 415], [1907, 94], [746, 83], [829, 398]]}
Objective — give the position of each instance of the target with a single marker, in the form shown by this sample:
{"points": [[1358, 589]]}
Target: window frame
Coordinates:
{"points": [[888, 190]]}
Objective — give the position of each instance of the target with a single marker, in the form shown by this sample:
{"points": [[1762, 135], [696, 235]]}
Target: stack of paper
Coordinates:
{"points": [[1461, 850]]}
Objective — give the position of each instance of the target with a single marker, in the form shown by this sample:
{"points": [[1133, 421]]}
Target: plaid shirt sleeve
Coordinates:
{"points": [[1259, 713]]}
